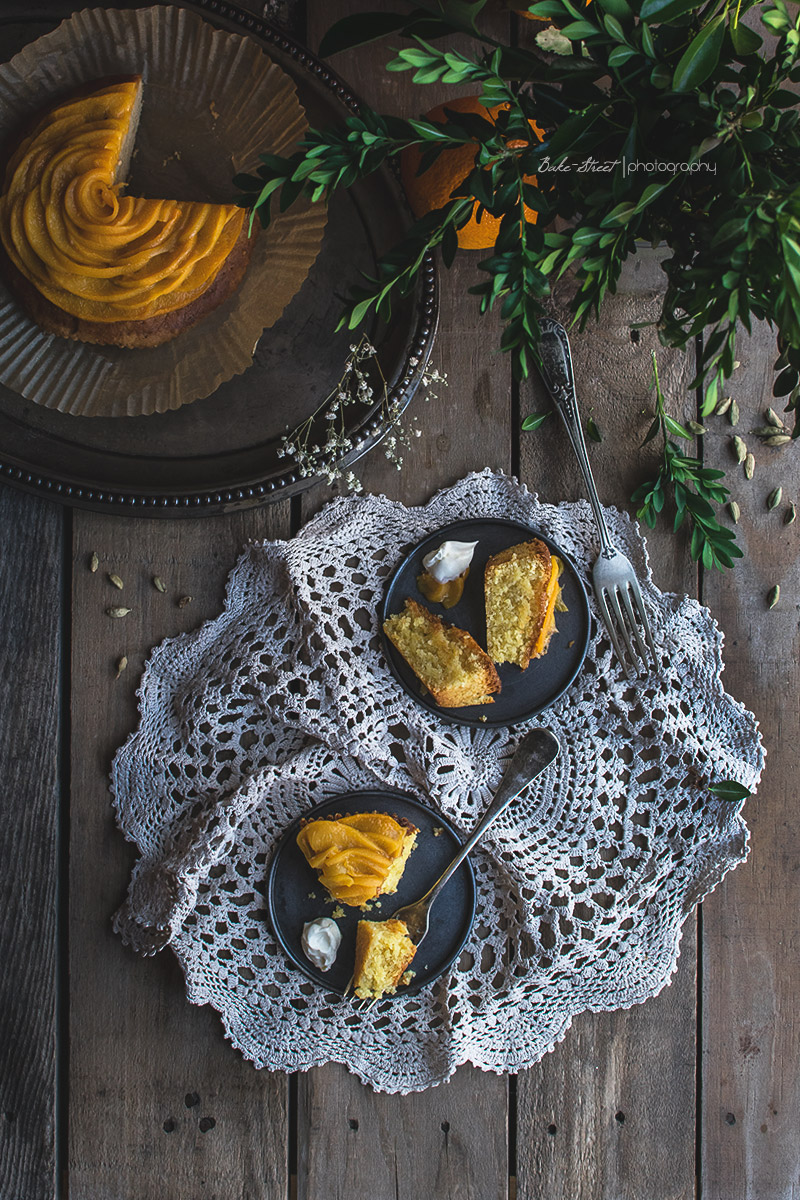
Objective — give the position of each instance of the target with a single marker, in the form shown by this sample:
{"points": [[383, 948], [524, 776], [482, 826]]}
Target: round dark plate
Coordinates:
{"points": [[295, 895], [525, 693], [221, 452]]}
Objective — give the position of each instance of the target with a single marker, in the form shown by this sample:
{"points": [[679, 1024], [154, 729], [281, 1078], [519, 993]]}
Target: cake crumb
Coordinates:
{"points": [[312, 895], [437, 831], [212, 108], [337, 912], [406, 977]]}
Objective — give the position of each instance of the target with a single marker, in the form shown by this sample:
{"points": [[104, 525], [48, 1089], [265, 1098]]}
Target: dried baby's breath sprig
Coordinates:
{"points": [[328, 456]]}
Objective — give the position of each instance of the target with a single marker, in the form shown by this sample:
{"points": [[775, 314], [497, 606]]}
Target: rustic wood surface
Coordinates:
{"points": [[113, 1086]]}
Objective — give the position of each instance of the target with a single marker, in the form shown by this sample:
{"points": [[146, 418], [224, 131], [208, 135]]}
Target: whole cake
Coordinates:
{"points": [[92, 264], [522, 594], [358, 857]]}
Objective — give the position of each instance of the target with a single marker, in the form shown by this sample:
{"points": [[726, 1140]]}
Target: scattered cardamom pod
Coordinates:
{"points": [[118, 612], [736, 365], [158, 583], [765, 431], [774, 498], [121, 666], [733, 413], [94, 562], [739, 449], [735, 511], [697, 429], [723, 405], [773, 419], [791, 515], [117, 582], [749, 466], [774, 596], [184, 600], [780, 439]]}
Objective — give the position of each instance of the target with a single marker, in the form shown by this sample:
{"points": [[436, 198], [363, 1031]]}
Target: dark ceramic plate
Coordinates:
{"points": [[221, 453], [295, 895], [525, 693]]}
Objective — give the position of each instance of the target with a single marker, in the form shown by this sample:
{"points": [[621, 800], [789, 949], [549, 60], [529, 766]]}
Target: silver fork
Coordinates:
{"points": [[536, 751], [616, 587]]}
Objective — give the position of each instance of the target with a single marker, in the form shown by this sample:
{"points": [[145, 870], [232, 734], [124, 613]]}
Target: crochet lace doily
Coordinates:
{"points": [[286, 699]]}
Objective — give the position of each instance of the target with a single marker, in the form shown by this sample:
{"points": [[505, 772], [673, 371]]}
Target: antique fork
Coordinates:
{"points": [[615, 584], [535, 751]]}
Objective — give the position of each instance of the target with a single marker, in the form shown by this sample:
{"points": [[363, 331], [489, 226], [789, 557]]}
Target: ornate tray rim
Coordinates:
{"points": [[147, 502]]}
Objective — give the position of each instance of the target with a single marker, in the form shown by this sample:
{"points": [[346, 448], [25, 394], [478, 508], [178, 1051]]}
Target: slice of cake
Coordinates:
{"points": [[383, 952], [358, 857], [92, 264], [447, 660], [522, 592]]}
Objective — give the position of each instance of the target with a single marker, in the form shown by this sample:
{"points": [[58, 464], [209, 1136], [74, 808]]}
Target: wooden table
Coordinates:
{"points": [[113, 1087]]}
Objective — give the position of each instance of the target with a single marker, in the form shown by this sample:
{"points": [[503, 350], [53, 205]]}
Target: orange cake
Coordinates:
{"points": [[447, 660], [522, 595], [94, 265], [358, 857], [383, 952]]}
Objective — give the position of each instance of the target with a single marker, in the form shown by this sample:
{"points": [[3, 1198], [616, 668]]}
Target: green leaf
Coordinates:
{"points": [[729, 789], [661, 11], [534, 420], [745, 40], [700, 57], [592, 431], [676, 428], [620, 55]]}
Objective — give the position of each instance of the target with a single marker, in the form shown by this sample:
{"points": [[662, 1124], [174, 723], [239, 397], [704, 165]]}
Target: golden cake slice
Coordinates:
{"points": [[522, 593], [358, 857], [447, 660], [383, 952], [94, 265]]}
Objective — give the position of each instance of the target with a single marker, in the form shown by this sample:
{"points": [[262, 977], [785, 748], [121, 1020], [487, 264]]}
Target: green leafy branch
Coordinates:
{"points": [[693, 488]]}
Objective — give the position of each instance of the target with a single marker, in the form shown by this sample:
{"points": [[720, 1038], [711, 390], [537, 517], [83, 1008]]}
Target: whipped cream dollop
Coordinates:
{"points": [[320, 941], [449, 561]]}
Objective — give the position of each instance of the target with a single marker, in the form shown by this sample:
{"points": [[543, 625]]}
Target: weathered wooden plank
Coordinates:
{"points": [[31, 589], [595, 1119], [160, 1105], [451, 1140], [751, 924], [447, 1143]]}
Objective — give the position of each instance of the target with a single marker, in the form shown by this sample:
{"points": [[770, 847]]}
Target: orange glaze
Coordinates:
{"points": [[447, 594], [94, 253]]}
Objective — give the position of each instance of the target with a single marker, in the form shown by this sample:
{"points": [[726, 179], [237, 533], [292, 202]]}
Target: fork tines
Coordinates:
{"points": [[625, 618]]}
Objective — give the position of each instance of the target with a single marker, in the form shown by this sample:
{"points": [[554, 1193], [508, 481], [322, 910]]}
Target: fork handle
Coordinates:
{"points": [[556, 370], [535, 751]]}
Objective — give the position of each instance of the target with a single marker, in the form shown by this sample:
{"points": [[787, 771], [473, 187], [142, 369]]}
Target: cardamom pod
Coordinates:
{"points": [[749, 466], [94, 562], [696, 428], [184, 600], [780, 439], [765, 431], [121, 666], [791, 515], [774, 498], [735, 511], [723, 406], [774, 596], [736, 365], [158, 583], [733, 413], [773, 419], [117, 582], [739, 449], [118, 612]]}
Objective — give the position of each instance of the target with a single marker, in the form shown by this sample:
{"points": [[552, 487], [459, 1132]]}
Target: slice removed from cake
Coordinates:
{"points": [[522, 593], [383, 953], [447, 660], [358, 857]]}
